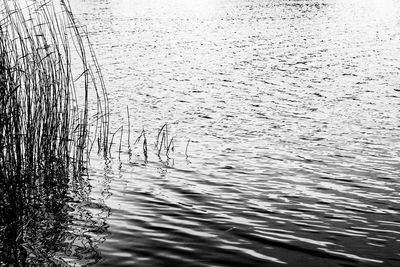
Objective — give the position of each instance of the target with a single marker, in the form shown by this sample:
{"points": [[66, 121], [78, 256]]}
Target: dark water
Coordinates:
{"points": [[292, 112]]}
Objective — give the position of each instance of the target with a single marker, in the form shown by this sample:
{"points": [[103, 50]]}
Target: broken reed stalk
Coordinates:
{"points": [[144, 146], [129, 129], [44, 101], [163, 141], [187, 146]]}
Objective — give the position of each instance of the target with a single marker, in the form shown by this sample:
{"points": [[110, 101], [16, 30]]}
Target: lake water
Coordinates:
{"points": [[285, 118]]}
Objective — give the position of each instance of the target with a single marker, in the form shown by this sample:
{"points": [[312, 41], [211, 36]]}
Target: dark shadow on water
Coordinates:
{"points": [[45, 223]]}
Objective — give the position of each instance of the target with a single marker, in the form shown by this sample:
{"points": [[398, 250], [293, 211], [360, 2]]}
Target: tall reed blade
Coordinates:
{"points": [[48, 72]]}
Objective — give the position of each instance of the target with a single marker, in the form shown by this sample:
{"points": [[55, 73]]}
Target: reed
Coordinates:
{"points": [[44, 102], [164, 142], [144, 145], [54, 110], [49, 80]]}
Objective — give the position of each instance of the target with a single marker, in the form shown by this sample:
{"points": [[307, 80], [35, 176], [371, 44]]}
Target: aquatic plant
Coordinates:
{"points": [[53, 111], [44, 114], [164, 142]]}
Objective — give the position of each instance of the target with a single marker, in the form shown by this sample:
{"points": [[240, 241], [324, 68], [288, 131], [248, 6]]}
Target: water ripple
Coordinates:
{"points": [[292, 110]]}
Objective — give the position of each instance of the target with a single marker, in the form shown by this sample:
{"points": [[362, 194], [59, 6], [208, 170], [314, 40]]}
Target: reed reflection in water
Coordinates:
{"points": [[45, 223]]}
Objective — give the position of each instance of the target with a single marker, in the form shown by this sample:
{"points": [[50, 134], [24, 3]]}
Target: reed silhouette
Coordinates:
{"points": [[54, 111], [46, 129], [43, 102]]}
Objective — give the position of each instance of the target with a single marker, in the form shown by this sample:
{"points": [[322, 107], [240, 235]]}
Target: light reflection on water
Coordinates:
{"points": [[292, 107]]}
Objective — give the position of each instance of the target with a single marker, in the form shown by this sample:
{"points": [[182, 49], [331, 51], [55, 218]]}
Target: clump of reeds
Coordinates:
{"points": [[48, 74], [44, 113]]}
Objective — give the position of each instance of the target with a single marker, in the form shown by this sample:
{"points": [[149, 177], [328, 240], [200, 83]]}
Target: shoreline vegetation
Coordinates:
{"points": [[47, 130], [53, 115], [44, 102]]}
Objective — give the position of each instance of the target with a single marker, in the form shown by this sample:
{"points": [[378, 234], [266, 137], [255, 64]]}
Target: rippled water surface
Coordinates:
{"points": [[288, 112]]}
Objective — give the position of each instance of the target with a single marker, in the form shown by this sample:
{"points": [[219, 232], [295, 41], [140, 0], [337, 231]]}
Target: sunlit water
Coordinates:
{"points": [[292, 112]]}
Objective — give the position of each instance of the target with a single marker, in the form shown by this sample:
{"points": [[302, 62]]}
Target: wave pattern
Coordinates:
{"points": [[293, 112]]}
